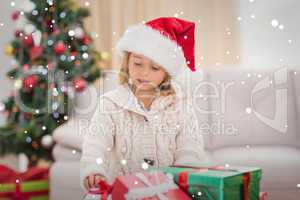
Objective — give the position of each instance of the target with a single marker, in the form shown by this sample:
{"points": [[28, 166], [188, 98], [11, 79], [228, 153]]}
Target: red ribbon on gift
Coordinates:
{"points": [[8, 175], [183, 177], [104, 190]]}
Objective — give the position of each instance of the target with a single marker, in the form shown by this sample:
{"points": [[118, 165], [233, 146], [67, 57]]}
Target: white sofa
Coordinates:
{"points": [[243, 122]]}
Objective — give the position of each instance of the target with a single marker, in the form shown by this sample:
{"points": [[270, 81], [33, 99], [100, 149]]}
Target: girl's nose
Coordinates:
{"points": [[146, 70]]}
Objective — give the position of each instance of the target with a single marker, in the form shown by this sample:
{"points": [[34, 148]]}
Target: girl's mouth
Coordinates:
{"points": [[142, 81]]}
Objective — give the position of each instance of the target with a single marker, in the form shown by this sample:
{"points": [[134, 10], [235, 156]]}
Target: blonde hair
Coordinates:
{"points": [[165, 87]]}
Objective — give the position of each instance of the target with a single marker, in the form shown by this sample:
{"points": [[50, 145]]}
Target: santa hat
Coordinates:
{"points": [[168, 41]]}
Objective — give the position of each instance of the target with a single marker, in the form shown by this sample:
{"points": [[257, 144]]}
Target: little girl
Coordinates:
{"points": [[145, 122]]}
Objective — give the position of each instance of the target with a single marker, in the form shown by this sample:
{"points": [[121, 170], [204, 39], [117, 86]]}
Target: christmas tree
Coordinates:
{"points": [[54, 60]]}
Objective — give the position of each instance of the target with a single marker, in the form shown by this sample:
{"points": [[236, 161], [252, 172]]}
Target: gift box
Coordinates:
{"points": [[153, 185], [217, 183], [30, 185]]}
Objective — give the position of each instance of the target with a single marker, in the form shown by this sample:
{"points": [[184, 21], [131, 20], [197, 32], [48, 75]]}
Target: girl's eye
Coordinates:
{"points": [[137, 64], [155, 68]]}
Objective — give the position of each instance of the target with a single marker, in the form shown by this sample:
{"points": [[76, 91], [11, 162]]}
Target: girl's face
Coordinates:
{"points": [[145, 74]]}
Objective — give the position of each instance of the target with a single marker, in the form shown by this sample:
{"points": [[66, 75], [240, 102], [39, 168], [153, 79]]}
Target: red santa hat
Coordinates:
{"points": [[168, 41]]}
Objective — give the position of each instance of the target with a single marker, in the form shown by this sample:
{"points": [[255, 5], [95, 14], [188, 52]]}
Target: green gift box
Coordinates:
{"points": [[29, 190], [30, 185], [217, 183]]}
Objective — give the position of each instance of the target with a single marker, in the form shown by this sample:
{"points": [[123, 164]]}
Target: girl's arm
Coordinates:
{"points": [[98, 143], [189, 141]]}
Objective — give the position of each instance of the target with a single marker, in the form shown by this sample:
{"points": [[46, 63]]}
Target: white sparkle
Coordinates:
{"points": [[227, 52], [66, 117], [201, 58], [108, 149], [295, 73], [37, 111], [249, 75], [237, 57], [228, 33], [253, 16], [251, 1], [248, 146], [298, 185], [25, 131], [181, 12], [71, 33], [1, 24], [281, 60], [74, 151], [123, 162], [176, 15], [274, 23], [259, 75], [248, 110], [12, 4], [136, 182], [99, 161], [145, 165], [17, 180], [242, 82], [281, 27], [199, 193], [87, 3], [185, 37], [72, 57], [44, 128], [85, 55], [290, 41], [271, 82], [239, 18], [227, 165]]}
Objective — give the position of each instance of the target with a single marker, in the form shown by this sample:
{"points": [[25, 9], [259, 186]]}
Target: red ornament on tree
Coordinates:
{"points": [[35, 52], [79, 84], [86, 40], [18, 33], [15, 15], [30, 82], [60, 48], [28, 40]]}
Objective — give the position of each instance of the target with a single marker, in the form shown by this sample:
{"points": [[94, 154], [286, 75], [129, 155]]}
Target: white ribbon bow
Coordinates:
{"points": [[151, 190]]}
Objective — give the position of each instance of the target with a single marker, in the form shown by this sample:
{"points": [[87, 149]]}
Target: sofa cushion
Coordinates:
{"points": [[242, 110], [280, 164], [193, 83], [295, 75]]}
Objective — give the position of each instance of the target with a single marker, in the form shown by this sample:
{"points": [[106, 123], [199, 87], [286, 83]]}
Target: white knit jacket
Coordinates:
{"points": [[121, 134]]}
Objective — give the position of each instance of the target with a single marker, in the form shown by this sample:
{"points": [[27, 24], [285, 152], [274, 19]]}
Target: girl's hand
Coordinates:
{"points": [[93, 180]]}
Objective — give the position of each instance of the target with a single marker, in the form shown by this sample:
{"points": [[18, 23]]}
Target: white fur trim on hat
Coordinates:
{"points": [[142, 39]]}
